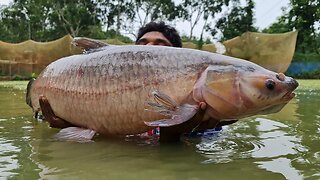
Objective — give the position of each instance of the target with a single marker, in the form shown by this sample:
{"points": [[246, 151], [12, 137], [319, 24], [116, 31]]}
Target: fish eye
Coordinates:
{"points": [[270, 84]]}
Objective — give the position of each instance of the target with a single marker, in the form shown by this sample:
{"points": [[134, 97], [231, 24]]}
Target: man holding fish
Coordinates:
{"points": [[111, 87]]}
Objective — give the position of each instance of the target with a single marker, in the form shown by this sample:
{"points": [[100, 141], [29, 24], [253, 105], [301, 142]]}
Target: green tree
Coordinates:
{"points": [[129, 15], [193, 11], [4, 29], [239, 20], [151, 10], [115, 13], [112, 34], [45, 20], [280, 26], [302, 15], [73, 17], [154, 10], [22, 21]]}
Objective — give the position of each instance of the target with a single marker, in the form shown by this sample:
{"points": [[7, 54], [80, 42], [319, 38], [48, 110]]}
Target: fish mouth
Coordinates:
{"points": [[292, 85], [288, 96]]}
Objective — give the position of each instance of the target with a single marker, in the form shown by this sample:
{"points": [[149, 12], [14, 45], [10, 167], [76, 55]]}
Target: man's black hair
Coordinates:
{"points": [[169, 32]]}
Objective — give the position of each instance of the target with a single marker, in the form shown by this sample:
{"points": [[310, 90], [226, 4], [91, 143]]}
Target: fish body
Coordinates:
{"points": [[106, 91]]}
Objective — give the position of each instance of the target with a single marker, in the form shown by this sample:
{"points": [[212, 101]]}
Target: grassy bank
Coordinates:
{"points": [[299, 57], [20, 85], [309, 83]]}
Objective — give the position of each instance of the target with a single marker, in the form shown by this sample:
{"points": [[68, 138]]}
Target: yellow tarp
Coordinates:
{"points": [[37, 52], [30, 56], [272, 51]]}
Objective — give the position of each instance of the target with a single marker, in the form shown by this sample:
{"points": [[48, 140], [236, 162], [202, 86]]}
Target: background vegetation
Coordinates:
{"points": [[46, 20]]}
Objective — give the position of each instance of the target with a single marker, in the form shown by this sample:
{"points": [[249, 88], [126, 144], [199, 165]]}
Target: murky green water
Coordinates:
{"points": [[280, 146]]}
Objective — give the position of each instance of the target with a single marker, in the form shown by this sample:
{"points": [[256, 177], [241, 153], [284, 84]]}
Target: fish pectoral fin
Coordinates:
{"points": [[163, 104], [180, 115], [75, 134], [164, 100]]}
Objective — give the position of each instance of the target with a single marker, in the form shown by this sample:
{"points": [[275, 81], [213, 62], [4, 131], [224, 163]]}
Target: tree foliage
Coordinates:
{"points": [[114, 13], [193, 11], [239, 20], [281, 26], [19, 22], [140, 12], [303, 15], [72, 16], [44, 20], [151, 10]]}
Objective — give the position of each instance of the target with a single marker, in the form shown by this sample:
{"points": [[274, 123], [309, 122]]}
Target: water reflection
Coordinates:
{"points": [[275, 139], [271, 141], [8, 158], [283, 166]]}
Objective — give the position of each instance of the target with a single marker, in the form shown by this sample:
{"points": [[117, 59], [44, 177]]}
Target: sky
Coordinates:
{"points": [[266, 12]]}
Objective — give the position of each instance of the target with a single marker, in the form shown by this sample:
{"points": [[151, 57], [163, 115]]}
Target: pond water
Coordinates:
{"points": [[284, 145]]}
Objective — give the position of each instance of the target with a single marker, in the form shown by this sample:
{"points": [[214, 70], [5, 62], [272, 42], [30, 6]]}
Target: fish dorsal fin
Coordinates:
{"points": [[89, 45]]}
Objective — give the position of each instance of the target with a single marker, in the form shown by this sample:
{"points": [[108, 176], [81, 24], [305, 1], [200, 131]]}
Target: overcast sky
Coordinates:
{"points": [[266, 12]]}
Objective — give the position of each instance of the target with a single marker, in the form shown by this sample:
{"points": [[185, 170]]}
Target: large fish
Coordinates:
{"points": [[122, 90]]}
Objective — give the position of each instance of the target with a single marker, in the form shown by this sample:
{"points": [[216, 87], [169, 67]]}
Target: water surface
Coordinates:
{"points": [[284, 145]]}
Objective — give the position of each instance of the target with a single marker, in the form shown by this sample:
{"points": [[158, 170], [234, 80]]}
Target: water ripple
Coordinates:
{"points": [[8, 158], [283, 166], [270, 141]]}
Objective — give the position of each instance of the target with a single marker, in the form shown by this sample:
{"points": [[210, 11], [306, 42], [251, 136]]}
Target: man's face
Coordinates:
{"points": [[154, 38]]}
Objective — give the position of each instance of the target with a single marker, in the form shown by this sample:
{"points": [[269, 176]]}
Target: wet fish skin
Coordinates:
{"points": [[106, 91]]}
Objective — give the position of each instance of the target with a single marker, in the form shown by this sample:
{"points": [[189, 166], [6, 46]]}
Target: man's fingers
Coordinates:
{"points": [[46, 108], [49, 115]]}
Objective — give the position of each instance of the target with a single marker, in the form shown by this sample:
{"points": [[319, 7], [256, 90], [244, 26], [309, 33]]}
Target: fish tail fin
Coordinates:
{"points": [[28, 93]]}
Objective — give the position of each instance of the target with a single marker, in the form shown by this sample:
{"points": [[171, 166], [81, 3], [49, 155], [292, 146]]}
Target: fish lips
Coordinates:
{"points": [[288, 96], [292, 85]]}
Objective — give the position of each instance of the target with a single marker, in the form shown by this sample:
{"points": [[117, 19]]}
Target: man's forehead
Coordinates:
{"points": [[154, 35], [154, 38]]}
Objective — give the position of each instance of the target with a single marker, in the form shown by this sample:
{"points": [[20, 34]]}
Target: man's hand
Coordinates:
{"points": [[47, 112]]}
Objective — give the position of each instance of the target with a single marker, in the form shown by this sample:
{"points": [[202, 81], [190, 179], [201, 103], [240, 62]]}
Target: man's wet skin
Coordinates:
{"points": [[154, 38]]}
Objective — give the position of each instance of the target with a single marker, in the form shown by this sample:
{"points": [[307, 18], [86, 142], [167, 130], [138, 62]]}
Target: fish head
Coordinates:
{"points": [[236, 91], [268, 92]]}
